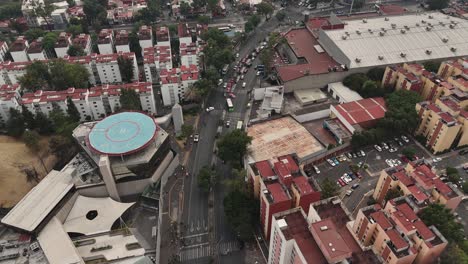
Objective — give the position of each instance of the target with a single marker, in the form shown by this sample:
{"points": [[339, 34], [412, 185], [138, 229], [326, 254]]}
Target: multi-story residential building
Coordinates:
{"points": [[154, 59], [188, 54], [396, 234], [9, 98], [36, 50], [11, 71], [106, 41], [45, 101], [176, 83], [87, 62], [60, 17], [121, 41], [418, 181], [18, 49], [3, 50], [83, 41], [184, 33], [62, 44], [274, 198], [453, 68], [162, 36], [145, 36]]}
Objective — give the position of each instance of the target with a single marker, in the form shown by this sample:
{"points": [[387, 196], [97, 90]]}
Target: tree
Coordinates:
{"points": [[281, 15], [33, 33], [237, 181], [202, 87], [147, 15], [28, 117], [185, 9], [95, 11], [248, 27], [187, 130], [206, 178], [442, 218], [62, 147], [134, 44], [204, 20], [453, 254], [10, 10], [392, 194], [48, 42], [376, 74], [43, 124], [265, 8], [233, 146], [126, 68], [72, 112], [401, 116], [431, 66], [452, 174], [76, 51], [437, 4], [240, 213], [15, 124], [65, 75], [409, 152], [212, 5], [329, 188], [255, 20], [31, 139], [37, 76], [266, 57], [370, 89], [74, 30], [355, 81], [44, 10], [465, 187], [129, 100]]}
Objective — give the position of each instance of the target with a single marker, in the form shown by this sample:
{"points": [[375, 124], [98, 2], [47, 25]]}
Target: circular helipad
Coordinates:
{"points": [[122, 133]]}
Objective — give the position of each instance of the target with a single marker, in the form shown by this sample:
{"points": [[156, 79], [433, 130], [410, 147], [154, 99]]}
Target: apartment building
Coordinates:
{"points": [[176, 83], [11, 71], [154, 60], [9, 98], [189, 54], [396, 234], [36, 50], [185, 34], [105, 41], [418, 181], [121, 41], [145, 36], [453, 68], [83, 41], [162, 36], [18, 49], [62, 44], [3, 50]]}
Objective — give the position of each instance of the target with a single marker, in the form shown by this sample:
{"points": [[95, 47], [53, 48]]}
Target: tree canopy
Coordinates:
{"points": [[401, 116], [233, 146], [15, 124], [431, 66], [10, 10], [240, 211], [437, 4], [265, 9], [442, 218], [329, 188], [33, 33], [126, 68], [129, 100], [76, 51], [206, 178]]}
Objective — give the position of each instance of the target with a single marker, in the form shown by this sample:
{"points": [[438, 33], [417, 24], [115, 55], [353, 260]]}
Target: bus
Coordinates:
{"points": [[229, 105], [239, 125], [225, 68], [225, 29]]}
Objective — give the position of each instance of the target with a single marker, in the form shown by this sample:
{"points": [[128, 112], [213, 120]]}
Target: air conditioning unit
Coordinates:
{"points": [[444, 40], [428, 28], [364, 21], [344, 37], [403, 31], [423, 21], [406, 27], [323, 228], [381, 33], [452, 26], [403, 55], [357, 60], [386, 19], [393, 26], [417, 24], [358, 32], [428, 52], [431, 17], [453, 49], [381, 57]]}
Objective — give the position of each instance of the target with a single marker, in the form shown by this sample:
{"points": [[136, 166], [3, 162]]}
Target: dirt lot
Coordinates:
{"points": [[14, 157]]}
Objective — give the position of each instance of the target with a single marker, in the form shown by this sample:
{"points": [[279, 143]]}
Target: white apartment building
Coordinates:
{"points": [[62, 44], [188, 54], [154, 59], [84, 41], [176, 83], [184, 33], [3, 50], [11, 71], [18, 49], [121, 41], [162, 37], [60, 17], [145, 36], [9, 98], [106, 41], [36, 51]]}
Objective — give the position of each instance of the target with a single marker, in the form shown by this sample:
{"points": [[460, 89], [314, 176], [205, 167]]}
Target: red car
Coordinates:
{"points": [[341, 182], [232, 95]]}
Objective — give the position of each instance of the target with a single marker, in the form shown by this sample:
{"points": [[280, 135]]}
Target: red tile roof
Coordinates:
{"points": [[417, 193], [396, 239], [381, 219], [364, 110], [53, 96], [423, 230], [264, 169], [403, 178], [282, 170], [277, 192], [303, 185], [407, 211], [332, 243], [291, 163], [442, 187]]}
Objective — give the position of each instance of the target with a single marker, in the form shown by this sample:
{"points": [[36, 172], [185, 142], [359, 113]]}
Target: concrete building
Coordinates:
{"points": [[60, 18], [11, 71], [83, 41], [342, 93], [36, 50], [162, 36], [272, 100], [176, 83], [177, 118], [3, 50], [121, 41], [105, 41], [62, 44], [419, 182], [396, 234], [156, 59], [9, 98], [189, 54], [185, 34], [18, 49], [145, 36], [453, 68]]}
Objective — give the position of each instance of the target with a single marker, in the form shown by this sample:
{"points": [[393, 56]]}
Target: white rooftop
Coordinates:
{"points": [[397, 39], [343, 92], [39, 202], [94, 215]]}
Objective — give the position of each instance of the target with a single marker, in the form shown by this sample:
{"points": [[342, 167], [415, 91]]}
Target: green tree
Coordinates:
{"points": [[255, 20], [281, 15], [237, 181], [31, 139], [65, 75], [62, 147], [329, 189], [265, 9], [148, 15], [43, 124], [452, 174], [206, 178], [431, 66], [202, 87], [15, 124], [74, 29], [442, 218], [233, 146], [95, 11], [33, 33], [48, 42], [129, 100], [392, 194], [212, 5], [126, 68], [76, 51], [185, 9], [355, 81], [401, 116], [134, 44], [248, 27], [37, 76], [187, 130], [376, 74], [240, 213], [72, 111], [44, 10], [28, 117], [437, 4], [465, 187], [453, 254], [10, 10], [409, 152], [370, 89], [204, 20], [266, 57]]}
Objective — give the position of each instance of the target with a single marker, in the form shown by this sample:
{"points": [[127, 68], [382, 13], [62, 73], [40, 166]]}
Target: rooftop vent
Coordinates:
{"points": [[403, 31], [381, 57], [406, 27], [357, 60], [364, 21], [441, 23], [429, 24], [417, 24], [428, 52], [453, 49], [431, 17], [347, 33], [358, 32], [381, 33], [344, 37], [386, 19], [452, 26], [428, 28], [403, 55], [393, 26], [444, 40], [323, 228], [423, 21], [370, 31]]}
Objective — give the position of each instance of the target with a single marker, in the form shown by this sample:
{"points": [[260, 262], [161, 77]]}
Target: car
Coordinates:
{"points": [[395, 138], [225, 85], [196, 137], [384, 145], [359, 154], [393, 149], [242, 77], [360, 164], [336, 161], [244, 84], [354, 155], [435, 160], [349, 155], [389, 162], [316, 169], [233, 96], [349, 192], [258, 73], [355, 186], [228, 123], [209, 109], [358, 174], [397, 162], [378, 148], [237, 55], [346, 178], [353, 177], [220, 81], [339, 12], [363, 153], [341, 182], [343, 157], [331, 162], [400, 143], [405, 139]]}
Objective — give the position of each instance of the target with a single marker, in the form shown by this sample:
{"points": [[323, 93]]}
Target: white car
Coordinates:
{"points": [[242, 77], [384, 145], [348, 178], [391, 150], [209, 109], [331, 162], [237, 55], [225, 85], [378, 148], [258, 73], [435, 160], [363, 153], [220, 81], [405, 139], [244, 84], [316, 169], [196, 137], [389, 162]]}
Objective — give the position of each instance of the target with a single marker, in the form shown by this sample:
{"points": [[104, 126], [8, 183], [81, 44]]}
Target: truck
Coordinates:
{"points": [[225, 69], [239, 125]]}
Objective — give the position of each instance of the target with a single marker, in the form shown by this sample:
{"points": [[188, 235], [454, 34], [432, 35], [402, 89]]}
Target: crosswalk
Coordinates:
{"points": [[195, 252]]}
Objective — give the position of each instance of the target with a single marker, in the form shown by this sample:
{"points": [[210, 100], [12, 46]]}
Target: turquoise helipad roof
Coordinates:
{"points": [[122, 133]]}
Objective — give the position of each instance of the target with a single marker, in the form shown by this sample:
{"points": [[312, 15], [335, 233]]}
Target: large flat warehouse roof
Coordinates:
{"points": [[397, 39], [279, 137]]}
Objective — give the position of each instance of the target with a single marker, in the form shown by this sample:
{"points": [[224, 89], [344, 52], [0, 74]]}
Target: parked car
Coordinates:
{"points": [[316, 169], [196, 137], [349, 192], [336, 161], [242, 77], [349, 155], [405, 139], [355, 186], [393, 149], [341, 182], [363, 153], [384, 145], [435, 160], [331, 162], [400, 143], [228, 123], [244, 84], [389, 162], [378, 148], [209, 109]]}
